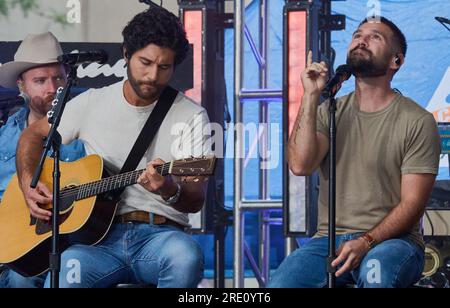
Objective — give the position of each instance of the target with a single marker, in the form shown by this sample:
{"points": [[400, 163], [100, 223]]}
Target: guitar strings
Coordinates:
{"points": [[104, 183]]}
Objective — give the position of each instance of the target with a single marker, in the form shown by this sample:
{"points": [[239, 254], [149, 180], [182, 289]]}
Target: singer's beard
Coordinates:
{"points": [[145, 90], [41, 105], [362, 66]]}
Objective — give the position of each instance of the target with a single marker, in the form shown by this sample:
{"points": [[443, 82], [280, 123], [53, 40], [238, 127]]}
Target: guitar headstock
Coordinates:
{"points": [[194, 166], [55, 105]]}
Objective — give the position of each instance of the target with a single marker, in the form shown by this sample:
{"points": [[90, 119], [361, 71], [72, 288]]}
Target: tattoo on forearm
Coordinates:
{"points": [[298, 125]]}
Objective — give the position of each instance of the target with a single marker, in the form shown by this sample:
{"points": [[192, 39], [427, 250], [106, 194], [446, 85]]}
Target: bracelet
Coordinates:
{"points": [[369, 239], [174, 199]]}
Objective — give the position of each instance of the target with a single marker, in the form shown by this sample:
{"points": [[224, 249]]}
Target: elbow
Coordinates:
{"points": [[300, 170], [196, 203], [197, 206], [299, 166]]}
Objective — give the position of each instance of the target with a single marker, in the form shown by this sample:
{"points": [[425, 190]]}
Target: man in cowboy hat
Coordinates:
{"points": [[37, 73]]}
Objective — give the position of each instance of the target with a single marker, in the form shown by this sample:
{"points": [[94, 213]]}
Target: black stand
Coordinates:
{"points": [[53, 141], [332, 195], [219, 257], [222, 219]]}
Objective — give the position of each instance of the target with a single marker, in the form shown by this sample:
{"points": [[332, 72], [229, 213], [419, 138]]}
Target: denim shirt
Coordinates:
{"points": [[9, 137]]}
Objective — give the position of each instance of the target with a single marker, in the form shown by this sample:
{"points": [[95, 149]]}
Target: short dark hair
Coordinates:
{"points": [[156, 26], [399, 37]]}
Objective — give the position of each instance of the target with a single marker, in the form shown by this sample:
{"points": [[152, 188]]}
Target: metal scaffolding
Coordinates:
{"points": [[264, 95]]}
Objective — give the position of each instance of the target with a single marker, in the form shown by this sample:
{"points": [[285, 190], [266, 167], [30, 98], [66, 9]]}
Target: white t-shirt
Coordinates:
{"points": [[109, 126]]}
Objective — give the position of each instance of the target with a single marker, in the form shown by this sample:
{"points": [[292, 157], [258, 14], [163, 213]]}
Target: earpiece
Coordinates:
{"points": [[397, 60]]}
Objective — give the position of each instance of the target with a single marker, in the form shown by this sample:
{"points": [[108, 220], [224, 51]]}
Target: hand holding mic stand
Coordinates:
{"points": [[334, 84]]}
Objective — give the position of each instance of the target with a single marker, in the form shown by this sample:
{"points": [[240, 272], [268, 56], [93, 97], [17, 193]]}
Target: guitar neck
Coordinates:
{"points": [[115, 182]]}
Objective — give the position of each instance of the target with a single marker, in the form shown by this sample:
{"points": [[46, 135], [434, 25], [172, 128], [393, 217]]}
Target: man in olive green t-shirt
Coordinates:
{"points": [[387, 158]]}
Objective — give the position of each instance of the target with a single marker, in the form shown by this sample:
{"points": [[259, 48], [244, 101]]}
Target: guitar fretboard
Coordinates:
{"points": [[114, 182]]}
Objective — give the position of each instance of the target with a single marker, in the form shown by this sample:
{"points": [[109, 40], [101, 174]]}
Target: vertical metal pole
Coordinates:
{"points": [[264, 217], [55, 254], [332, 196], [219, 230], [289, 245], [238, 266]]}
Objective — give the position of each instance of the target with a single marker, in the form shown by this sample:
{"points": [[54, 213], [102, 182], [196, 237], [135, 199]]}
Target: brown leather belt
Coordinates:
{"points": [[146, 217]]}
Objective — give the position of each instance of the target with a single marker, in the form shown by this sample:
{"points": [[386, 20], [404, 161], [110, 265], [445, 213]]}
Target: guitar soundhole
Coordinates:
{"points": [[43, 226]]}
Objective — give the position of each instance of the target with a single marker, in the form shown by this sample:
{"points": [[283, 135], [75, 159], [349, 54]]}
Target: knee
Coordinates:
{"points": [[74, 271], [395, 263], [185, 264], [375, 274], [299, 270], [190, 260]]}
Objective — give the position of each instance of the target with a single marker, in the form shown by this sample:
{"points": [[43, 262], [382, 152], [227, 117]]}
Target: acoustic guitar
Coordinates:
{"points": [[84, 219]]}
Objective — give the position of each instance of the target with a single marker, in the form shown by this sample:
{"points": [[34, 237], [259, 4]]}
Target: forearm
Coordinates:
{"points": [[399, 221], [303, 144], [29, 150], [415, 191]]}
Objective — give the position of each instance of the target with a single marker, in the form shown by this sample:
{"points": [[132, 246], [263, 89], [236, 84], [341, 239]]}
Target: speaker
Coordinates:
{"points": [[433, 260]]}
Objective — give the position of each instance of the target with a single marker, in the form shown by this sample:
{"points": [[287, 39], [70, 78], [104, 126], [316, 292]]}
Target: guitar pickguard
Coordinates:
{"points": [[43, 226], [66, 205]]}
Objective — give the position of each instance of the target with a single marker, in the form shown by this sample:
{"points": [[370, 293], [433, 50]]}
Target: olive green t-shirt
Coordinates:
{"points": [[373, 150]]}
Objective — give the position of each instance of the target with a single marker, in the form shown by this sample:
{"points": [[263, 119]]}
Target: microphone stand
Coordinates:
{"points": [[342, 73], [332, 189], [53, 141], [332, 195]]}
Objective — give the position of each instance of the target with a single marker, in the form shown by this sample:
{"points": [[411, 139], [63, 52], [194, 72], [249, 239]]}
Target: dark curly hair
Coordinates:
{"points": [[156, 26]]}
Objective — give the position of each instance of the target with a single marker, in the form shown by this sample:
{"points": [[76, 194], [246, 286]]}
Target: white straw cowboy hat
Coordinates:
{"points": [[35, 50]]}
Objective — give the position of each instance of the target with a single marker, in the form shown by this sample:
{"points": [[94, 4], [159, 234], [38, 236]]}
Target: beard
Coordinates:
{"points": [[367, 66], [41, 105], [145, 90]]}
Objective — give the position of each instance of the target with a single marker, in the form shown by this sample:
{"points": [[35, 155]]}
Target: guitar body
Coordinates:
{"points": [[25, 242]]}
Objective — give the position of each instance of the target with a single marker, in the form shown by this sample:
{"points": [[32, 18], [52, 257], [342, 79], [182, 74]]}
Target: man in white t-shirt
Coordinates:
{"points": [[147, 242]]}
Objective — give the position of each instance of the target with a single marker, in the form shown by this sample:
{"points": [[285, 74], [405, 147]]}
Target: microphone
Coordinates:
{"points": [[10, 101], [333, 85], [443, 20], [78, 58], [11, 104]]}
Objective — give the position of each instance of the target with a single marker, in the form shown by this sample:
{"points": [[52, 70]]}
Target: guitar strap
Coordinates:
{"points": [[149, 131]]}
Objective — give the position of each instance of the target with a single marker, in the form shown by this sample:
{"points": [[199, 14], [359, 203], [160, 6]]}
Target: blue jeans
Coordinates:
{"points": [[11, 279], [395, 263], [134, 253]]}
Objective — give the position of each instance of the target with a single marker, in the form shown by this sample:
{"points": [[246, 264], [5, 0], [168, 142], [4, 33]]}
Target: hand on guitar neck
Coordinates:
{"points": [[192, 189], [154, 182]]}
